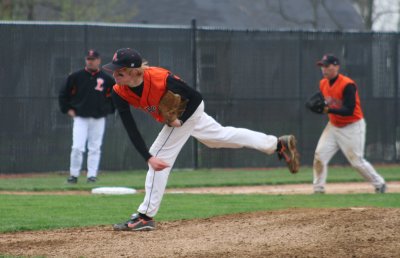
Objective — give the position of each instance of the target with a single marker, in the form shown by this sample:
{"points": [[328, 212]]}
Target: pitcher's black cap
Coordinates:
{"points": [[124, 57], [328, 59]]}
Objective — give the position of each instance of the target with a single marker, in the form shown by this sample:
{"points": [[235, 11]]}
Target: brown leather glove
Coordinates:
{"points": [[171, 106]]}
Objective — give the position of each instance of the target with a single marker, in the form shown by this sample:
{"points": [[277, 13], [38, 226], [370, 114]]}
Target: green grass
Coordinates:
{"points": [[190, 178], [36, 212]]}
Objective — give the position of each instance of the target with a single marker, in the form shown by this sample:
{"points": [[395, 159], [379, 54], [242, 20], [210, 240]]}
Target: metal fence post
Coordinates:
{"points": [[300, 82], [396, 91], [85, 37], [195, 152]]}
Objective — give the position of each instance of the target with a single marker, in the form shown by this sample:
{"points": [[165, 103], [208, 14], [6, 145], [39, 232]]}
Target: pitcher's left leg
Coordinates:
{"points": [[167, 146]]}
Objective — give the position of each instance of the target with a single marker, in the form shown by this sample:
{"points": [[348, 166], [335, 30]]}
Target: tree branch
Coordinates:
{"points": [[331, 16], [376, 16], [287, 18]]}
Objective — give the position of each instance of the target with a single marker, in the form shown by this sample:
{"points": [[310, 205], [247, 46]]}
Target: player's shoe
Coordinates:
{"points": [[135, 223], [91, 179], [319, 190], [381, 189], [72, 180], [289, 152]]}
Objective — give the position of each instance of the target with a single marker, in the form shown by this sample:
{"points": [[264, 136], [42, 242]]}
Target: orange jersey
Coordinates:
{"points": [[154, 87], [334, 98]]}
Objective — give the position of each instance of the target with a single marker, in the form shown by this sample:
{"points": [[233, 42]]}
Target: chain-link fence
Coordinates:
{"points": [[253, 79]]}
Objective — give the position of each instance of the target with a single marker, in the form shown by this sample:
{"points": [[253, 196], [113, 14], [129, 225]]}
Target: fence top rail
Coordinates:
{"points": [[205, 28], [97, 24]]}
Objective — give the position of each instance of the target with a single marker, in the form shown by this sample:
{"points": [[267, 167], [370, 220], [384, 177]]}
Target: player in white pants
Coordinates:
{"points": [[86, 97], [86, 130], [346, 128], [143, 87]]}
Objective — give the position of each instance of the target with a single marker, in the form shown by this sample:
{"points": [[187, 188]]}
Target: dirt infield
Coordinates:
{"points": [[331, 188], [352, 232]]}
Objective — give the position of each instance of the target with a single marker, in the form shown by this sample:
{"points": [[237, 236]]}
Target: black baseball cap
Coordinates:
{"points": [[328, 59], [92, 53], [124, 57]]}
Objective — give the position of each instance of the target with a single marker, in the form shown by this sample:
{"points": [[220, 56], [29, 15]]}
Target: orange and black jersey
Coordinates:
{"points": [[349, 100], [173, 84], [88, 93], [343, 100]]}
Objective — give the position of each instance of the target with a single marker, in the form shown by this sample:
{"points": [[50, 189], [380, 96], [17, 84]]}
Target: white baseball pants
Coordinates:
{"points": [[205, 129], [351, 140], [86, 130]]}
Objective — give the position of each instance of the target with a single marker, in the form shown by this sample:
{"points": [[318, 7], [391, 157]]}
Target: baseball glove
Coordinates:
{"points": [[316, 103], [171, 106]]}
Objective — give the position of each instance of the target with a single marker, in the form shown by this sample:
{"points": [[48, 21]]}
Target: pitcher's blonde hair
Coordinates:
{"points": [[140, 70]]}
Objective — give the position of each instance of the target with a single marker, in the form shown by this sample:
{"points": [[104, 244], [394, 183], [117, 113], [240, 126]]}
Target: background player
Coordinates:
{"points": [[345, 129], [86, 97], [143, 87]]}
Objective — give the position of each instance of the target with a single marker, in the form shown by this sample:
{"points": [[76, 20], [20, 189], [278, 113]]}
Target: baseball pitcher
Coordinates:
{"points": [[169, 100]]}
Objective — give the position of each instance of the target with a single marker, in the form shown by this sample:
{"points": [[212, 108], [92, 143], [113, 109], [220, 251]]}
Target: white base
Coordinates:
{"points": [[113, 190]]}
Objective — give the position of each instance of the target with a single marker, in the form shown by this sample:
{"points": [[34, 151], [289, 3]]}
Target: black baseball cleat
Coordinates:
{"points": [[287, 150], [72, 180], [91, 179], [136, 223]]}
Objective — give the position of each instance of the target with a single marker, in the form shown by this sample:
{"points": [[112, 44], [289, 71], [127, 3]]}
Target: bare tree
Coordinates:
{"points": [[313, 20], [365, 8], [374, 10], [278, 7], [68, 10], [6, 9]]}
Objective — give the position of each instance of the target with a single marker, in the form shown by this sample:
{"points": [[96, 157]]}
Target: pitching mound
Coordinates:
{"points": [[354, 232]]}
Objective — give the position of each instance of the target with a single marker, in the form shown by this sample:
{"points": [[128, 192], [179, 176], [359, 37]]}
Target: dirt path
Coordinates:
{"points": [[333, 188], [352, 232]]}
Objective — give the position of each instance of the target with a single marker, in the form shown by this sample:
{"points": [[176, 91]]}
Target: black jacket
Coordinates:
{"points": [[89, 94]]}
